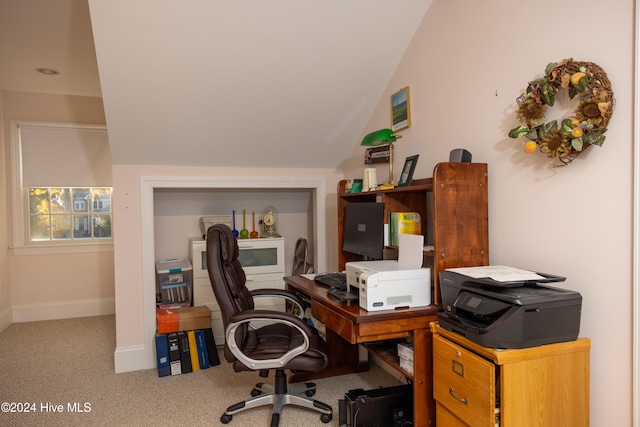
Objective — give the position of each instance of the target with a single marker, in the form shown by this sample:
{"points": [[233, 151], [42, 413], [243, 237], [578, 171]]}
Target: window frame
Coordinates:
{"points": [[22, 245]]}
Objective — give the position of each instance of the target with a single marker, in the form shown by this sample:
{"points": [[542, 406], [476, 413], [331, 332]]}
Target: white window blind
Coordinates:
{"points": [[64, 156]]}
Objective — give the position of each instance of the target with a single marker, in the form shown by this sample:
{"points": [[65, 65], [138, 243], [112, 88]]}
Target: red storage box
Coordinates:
{"points": [[167, 320]]}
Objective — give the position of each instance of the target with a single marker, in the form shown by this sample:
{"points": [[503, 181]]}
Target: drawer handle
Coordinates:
{"points": [[459, 399]]}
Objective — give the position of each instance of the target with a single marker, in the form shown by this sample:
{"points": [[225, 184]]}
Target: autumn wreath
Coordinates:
{"points": [[577, 133]]}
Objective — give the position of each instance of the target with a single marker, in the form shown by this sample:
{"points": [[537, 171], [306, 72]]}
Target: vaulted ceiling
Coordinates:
{"points": [[278, 83]]}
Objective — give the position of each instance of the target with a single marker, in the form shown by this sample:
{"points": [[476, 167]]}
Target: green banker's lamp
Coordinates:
{"points": [[382, 137]]}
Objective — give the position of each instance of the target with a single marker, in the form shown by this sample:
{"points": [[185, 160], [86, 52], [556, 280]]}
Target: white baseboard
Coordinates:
{"points": [[135, 358], [6, 319], [63, 310]]}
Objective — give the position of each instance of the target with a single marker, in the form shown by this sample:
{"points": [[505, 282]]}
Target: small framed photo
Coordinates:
{"points": [[407, 171], [400, 110]]}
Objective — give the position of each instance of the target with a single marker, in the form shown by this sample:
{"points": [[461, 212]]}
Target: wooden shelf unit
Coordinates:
{"points": [[453, 205]]}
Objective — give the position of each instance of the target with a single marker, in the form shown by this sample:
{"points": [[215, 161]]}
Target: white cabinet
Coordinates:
{"points": [[263, 264]]}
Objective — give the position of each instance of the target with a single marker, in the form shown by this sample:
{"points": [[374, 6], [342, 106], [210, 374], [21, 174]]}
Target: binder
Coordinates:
{"points": [[162, 355], [185, 355], [203, 357], [403, 223], [174, 354], [193, 351], [212, 351]]}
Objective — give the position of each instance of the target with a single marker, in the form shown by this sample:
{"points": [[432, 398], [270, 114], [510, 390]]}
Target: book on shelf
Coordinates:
{"points": [[403, 223]]}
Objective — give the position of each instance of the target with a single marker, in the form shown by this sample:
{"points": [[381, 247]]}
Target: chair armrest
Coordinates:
{"points": [[248, 316], [281, 293]]}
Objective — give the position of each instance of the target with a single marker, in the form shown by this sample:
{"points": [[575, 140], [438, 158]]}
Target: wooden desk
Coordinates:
{"points": [[348, 325]]}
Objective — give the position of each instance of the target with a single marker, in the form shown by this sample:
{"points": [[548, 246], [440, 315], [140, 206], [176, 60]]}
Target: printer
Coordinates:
{"points": [[388, 284], [512, 314]]}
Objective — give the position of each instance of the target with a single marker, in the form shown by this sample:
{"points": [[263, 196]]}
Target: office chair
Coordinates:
{"points": [[286, 343], [300, 254]]}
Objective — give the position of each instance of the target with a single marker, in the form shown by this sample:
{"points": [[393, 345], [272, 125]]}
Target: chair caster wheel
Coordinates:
{"points": [[256, 392], [325, 418], [310, 393], [225, 419]]}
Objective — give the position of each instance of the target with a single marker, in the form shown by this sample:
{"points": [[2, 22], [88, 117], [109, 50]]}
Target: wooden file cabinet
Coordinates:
{"points": [[485, 387]]}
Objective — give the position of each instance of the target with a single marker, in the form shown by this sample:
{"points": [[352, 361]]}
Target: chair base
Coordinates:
{"points": [[279, 395]]}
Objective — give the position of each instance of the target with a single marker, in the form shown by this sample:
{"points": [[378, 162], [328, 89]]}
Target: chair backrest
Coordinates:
{"points": [[227, 279], [300, 256]]}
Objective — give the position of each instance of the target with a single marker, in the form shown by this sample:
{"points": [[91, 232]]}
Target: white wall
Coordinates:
{"points": [[134, 237], [466, 65], [177, 214], [69, 285]]}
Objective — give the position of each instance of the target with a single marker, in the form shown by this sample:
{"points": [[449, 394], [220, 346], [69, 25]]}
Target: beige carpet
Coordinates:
{"points": [[69, 364]]}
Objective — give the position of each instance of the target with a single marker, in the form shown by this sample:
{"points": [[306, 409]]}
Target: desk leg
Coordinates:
{"points": [[423, 403]]}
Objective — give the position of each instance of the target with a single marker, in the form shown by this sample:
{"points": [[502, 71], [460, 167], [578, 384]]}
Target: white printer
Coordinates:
{"points": [[384, 285]]}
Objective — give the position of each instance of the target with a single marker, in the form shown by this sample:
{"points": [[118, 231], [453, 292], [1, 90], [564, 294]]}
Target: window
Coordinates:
{"points": [[61, 182], [52, 215]]}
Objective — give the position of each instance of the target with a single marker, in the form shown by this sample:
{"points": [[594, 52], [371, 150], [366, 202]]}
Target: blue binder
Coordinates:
{"points": [[203, 355], [162, 355]]}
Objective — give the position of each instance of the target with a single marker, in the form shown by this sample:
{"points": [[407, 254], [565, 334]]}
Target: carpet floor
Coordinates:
{"points": [[61, 373]]}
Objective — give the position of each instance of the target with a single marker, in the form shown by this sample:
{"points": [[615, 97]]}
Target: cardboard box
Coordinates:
{"points": [[405, 350], [407, 365], [183, 319], [193, 318]]}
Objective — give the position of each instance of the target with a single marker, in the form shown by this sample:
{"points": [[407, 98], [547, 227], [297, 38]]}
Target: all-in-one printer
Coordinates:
{"points": [[385, 285], [509, 314]]}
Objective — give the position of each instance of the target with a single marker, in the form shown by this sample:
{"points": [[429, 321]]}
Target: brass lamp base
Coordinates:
{"points": [[388, 185]]}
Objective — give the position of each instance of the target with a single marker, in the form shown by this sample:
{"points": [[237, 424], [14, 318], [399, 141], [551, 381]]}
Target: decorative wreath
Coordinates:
{"points": [[577, 133]]}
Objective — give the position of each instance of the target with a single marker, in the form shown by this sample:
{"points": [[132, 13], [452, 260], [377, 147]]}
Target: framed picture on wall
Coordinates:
{"points": [[400, 109], [407, 171]]}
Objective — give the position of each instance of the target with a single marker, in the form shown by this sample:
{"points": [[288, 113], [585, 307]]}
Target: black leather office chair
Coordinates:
{"points": [[287, 343]]}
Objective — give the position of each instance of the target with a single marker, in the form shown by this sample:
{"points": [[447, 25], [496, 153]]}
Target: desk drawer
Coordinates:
{"points": [[334, 321], [463, 382]]}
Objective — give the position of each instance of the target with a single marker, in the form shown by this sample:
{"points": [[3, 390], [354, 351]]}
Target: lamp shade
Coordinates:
{"points": [[382, 137], [379, 137]]}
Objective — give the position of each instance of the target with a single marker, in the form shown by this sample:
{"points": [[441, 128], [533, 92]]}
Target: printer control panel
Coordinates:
{"points": [[479, 305]]}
